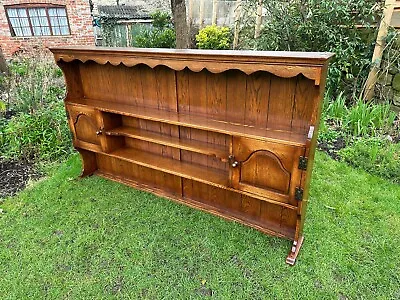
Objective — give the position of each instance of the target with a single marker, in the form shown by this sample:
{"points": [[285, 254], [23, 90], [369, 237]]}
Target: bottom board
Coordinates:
{"points": [[266, 217]]}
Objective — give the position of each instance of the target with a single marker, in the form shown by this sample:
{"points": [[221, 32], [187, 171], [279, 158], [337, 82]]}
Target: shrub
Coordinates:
{"points": [[214, 37], [34, 126], [160, 35], [377, 156], [310, 25], [155, 38], [42, 135], [32, 83]]}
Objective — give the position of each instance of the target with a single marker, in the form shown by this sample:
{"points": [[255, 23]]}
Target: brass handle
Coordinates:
{"points": [[234, 163]]}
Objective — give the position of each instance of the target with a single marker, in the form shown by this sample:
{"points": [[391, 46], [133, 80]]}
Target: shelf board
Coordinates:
{"points": [[168, 165], [272, 229], [218, 151], [195, 121], [198, 173]]}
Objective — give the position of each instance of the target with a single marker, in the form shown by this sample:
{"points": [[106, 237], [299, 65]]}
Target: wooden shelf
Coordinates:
{"points": [[168, 165], [198, 173], [195, 121], [281, 230], [220, 152]]}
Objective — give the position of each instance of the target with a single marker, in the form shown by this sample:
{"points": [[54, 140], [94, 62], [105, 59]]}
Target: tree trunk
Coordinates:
{"points": [[178, 8], [3, 63]]}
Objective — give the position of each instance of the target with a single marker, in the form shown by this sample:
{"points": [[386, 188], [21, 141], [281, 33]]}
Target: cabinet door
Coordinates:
{"points": [[266, 169], [84, 125]]}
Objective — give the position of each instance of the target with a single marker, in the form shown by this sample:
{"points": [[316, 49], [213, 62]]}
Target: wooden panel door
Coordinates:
{"points": [[84, 125], [267, 169]]}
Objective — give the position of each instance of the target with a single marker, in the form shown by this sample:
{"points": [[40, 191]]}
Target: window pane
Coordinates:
{"points": [[64, 30], [54, 21], [52, 12], [58, 21], [38, 21], [33, 12], [56, 31], [24, 22], [12, 12], [22, 13], [63, 21], [46, 30], [44, 21], [26, 31], [35, 21], [61, 12], [19, 21], [18, 31], [37, 31], [42, 11], [14, 23]]}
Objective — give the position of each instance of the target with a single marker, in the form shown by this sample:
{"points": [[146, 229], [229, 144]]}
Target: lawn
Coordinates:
{"points": [[70, 238]]}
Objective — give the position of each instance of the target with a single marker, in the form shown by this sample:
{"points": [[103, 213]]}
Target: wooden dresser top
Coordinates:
{"points": [[310, 64]]}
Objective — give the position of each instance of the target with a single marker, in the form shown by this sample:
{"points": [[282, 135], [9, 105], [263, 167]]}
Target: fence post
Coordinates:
{"points": [[215, 12], [237, 25], [379, 48], [190, 12], [258, 19], [201, 16]]}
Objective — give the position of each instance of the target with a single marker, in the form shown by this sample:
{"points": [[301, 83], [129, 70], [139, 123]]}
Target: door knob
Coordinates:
{"points": [[234, 163]]}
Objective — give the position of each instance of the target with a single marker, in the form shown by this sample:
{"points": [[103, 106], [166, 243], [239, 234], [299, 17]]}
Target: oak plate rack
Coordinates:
{"points": [[232, 133]]}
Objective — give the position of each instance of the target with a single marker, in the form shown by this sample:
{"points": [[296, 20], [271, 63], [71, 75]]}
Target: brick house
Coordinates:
{"points": [[27, 24]]}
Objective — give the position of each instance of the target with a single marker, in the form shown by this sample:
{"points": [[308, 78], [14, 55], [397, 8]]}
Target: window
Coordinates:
{"points": [[38, 21]]}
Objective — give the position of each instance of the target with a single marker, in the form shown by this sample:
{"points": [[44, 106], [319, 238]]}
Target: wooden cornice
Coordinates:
{"points": [[309, 64]]}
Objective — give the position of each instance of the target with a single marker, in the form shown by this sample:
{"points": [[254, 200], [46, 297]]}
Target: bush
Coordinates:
{"points": [[42, 135], [32, 83], [310, 25], [160, 35], [377, 156], [214, 37], [34, 126]]}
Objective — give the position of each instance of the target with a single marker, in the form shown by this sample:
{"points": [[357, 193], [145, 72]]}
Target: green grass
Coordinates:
{"points": [[67, 238]]}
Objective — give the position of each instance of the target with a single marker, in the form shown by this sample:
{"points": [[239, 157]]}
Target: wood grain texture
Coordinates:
{"points": [[196, 121], [280, 63], [219, 131]]}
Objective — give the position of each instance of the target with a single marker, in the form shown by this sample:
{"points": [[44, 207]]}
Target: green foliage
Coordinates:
{"points": [[42, 135], [336, 109], [161, 20], [311, 25], [377, 156], [369, 119], [362, 118], [33, 83], [160, 35], [38, 129], [3, 106], [360, 135], [214, 37], [155, 38]]}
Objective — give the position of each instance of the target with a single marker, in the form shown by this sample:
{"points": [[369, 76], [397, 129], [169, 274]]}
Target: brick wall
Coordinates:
{"points": [[80, 22]]}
